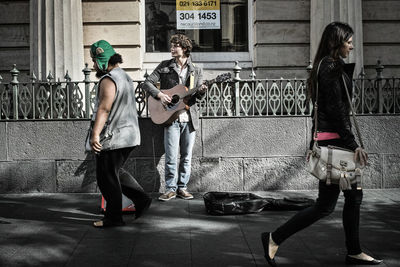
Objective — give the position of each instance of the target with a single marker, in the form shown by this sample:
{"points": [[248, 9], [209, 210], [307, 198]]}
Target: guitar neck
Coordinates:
{"points": [[220, 78], [196, 89]]}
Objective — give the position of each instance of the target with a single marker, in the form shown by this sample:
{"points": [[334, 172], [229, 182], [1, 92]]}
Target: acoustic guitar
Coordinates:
{"points": [[180, 96]]}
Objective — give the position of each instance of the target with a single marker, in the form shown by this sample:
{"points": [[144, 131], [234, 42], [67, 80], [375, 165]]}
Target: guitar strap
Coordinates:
{"points": [[191, 86]]}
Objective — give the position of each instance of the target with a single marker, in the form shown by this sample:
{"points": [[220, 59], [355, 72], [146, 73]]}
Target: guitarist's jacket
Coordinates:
{"points": [[165, 74]]}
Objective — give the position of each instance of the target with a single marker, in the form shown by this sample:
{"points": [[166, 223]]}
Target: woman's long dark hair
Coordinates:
{"points": [[334, 36]]}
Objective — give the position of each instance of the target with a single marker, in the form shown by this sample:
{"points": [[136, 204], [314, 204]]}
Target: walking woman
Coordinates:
{"points": [[334, 128]]}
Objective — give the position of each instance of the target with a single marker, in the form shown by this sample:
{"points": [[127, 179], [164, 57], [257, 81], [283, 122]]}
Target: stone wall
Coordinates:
{"points": [[252, 154]]}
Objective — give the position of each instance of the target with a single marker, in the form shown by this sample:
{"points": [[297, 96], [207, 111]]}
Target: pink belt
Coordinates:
{"points": [[326, 136]]}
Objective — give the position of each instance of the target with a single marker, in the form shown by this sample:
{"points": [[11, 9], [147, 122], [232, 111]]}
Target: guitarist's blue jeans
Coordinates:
{"points": [[179, 137]]}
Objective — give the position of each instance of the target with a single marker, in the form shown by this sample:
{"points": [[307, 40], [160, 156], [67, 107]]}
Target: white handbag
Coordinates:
{"points": [[334, 165]]}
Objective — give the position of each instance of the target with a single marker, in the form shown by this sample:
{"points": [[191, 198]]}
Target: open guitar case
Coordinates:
{"points": [[229, 203]]}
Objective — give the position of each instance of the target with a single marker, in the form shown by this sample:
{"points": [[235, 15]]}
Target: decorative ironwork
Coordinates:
{"points": [[5, 100], [227, 99], [140, 99], [388, 95], [251, 97], [357, 93], [301, 97], [42, 104], [246, 99], [397, 97], [76, 100], [92, 97], [24, 100], [274, 96], [260, 99], [370, 96], [59, 101], [289, 98]]}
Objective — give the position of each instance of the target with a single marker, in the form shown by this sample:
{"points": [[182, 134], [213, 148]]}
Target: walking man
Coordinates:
{"points": [[115, 134]]}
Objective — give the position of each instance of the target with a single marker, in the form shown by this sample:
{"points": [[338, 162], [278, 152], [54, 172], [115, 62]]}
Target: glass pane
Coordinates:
{"points": [[232, 37]]}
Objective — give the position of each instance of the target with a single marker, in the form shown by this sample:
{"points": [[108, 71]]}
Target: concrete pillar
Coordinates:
{"points": [[327, 11], [56, 41]]}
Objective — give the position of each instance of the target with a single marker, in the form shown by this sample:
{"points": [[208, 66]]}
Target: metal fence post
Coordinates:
{"points": [[68, 93], [33, 81], [86, 71], [252, 75], [146, 95], [236, 71], [379, 69], [361, 77], [14, 84], [309, 67], [49, 81]]}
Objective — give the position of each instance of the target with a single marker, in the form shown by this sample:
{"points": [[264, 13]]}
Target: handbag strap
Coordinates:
{"points": [[316, 109], [353, 114]]}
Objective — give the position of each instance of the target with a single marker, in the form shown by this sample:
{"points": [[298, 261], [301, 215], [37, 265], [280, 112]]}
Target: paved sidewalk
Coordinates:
{"points": [[55, 230]]}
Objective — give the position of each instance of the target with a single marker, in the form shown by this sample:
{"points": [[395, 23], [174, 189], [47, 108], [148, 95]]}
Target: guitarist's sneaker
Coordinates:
{"points": [[167, 196], [183, 193]]}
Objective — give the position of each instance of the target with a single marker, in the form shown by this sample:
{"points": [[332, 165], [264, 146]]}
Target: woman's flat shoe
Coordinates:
{"points": [[107, 223], [355, 261], [265, 242]]}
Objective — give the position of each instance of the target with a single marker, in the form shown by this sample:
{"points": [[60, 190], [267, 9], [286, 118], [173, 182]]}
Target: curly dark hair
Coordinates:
{"points": [[183, 42], [115, 59]]}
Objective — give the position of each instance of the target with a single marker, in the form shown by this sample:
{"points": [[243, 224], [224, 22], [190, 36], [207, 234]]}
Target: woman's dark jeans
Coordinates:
{"points": [[325, 205]]}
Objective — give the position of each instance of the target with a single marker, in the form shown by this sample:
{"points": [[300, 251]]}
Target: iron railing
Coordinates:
{"points": [[63, 100]]}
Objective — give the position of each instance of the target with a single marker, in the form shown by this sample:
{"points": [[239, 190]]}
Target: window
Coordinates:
{"points": [[231, 37]]}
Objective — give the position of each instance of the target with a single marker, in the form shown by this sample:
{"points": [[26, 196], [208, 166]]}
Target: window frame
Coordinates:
{"points": [[220, 58]]}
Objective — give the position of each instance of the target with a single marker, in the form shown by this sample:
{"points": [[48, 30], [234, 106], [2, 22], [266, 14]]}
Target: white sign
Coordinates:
{"points": [[197, 14]]}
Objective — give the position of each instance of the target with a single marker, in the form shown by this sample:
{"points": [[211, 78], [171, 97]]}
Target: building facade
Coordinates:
{"points": [[277, 38], [254, 131]]}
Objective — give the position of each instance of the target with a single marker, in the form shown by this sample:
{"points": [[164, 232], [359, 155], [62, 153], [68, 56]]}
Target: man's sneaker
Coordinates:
{"points": [[183, 193], [167, 196]]}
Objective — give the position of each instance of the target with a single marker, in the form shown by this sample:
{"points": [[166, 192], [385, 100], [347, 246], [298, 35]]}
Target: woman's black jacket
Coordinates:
{"points": [[333, 104]]}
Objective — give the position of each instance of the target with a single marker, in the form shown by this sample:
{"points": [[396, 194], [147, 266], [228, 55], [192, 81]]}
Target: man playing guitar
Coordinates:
{"points": [[179, 135]]}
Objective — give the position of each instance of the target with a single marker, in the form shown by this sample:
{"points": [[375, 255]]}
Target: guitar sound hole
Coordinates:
{"points": [[174, 99]]}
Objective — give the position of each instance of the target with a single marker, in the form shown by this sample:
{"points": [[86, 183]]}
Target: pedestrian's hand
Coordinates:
{"points": [[361, 155], [95, 143], [164, 98], [309, 152], [203, 88]]}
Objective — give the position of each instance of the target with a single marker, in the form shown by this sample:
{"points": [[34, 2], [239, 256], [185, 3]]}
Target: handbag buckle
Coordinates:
{"points": [[314, 154], [343, 163]]}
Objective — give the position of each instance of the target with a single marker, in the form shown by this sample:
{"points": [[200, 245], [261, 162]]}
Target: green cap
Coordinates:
{"points": [[101, 51]]}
